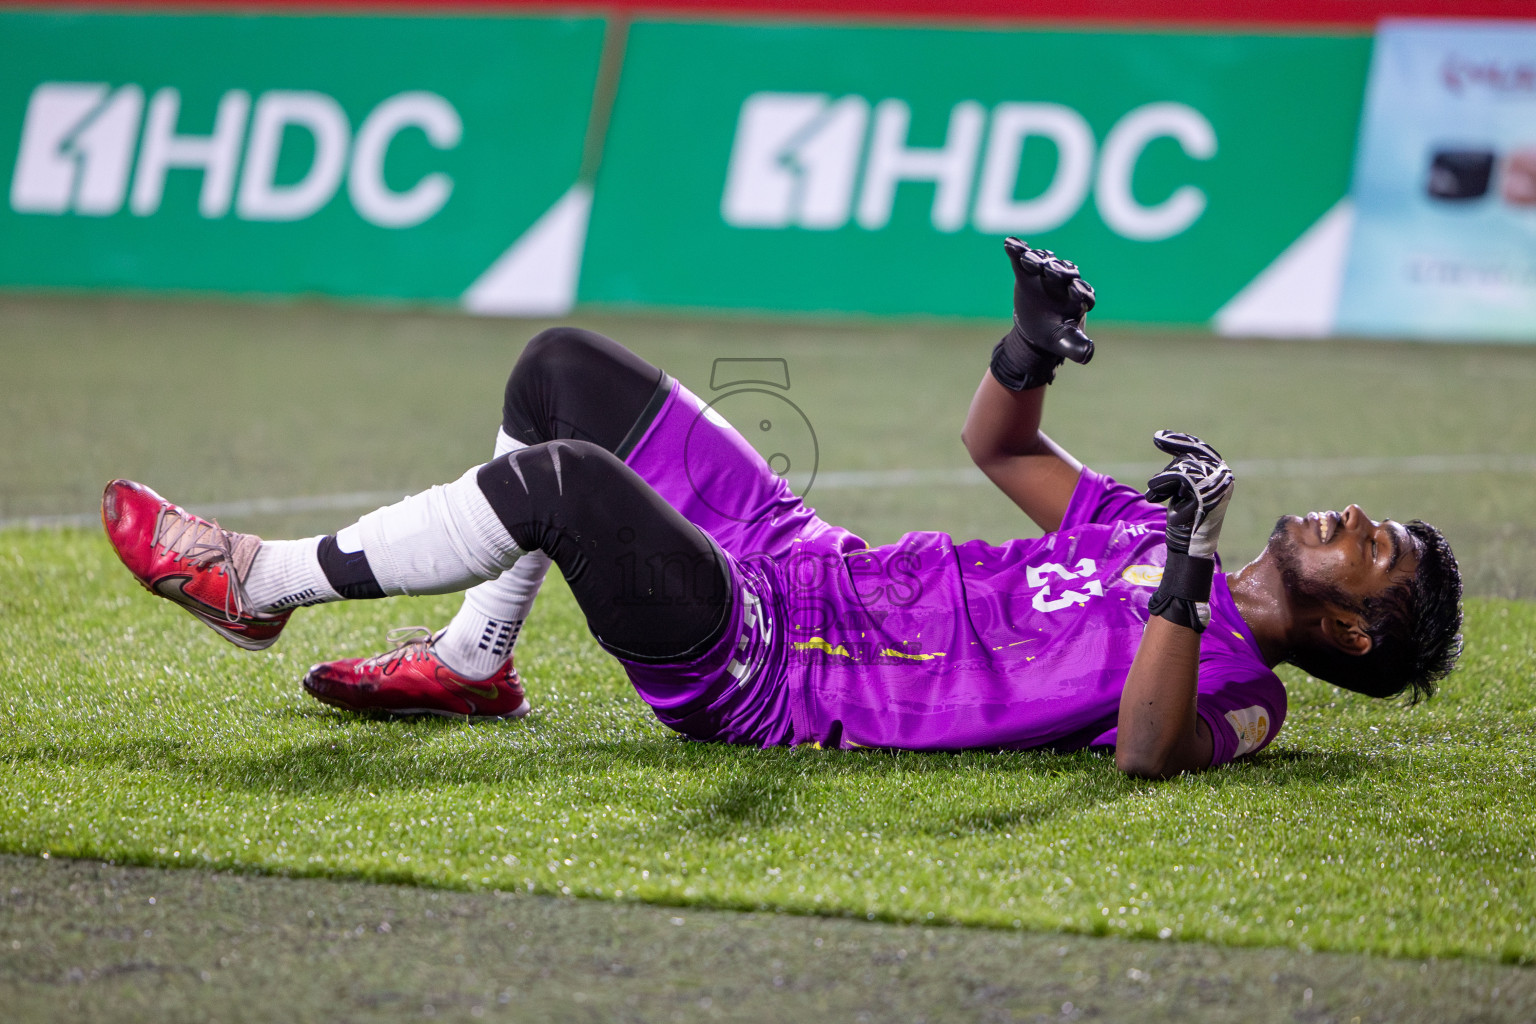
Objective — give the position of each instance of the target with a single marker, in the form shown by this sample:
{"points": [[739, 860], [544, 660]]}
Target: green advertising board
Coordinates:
{"points": [[872, 169], [389, 157]]}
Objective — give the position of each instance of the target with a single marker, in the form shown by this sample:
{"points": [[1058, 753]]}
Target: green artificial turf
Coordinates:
{"points": [[212, 402], [134, 734]]}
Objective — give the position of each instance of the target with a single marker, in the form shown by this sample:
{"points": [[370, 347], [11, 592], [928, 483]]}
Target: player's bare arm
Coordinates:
{"points": [[1159, 730], [1002, 434], [1160, 733], [1002, 429]]}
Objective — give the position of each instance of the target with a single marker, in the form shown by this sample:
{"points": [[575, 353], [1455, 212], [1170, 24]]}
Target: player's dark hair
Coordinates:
{"points": [[1415, 629]]}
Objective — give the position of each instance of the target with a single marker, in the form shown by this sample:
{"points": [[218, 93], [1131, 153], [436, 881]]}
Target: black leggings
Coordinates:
{"points": [[571, 384], [653, 586]]}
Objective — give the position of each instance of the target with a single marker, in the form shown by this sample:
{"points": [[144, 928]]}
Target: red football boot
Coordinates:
{"points": [[409, 679], [189, 560]]}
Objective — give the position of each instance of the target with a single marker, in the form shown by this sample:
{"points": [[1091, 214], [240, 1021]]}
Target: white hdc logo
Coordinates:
{"points": [[796, 161], [79, 139]]}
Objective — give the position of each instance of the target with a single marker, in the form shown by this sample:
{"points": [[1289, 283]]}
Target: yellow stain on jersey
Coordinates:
{"points": [[1143, 575], [816, 643]]}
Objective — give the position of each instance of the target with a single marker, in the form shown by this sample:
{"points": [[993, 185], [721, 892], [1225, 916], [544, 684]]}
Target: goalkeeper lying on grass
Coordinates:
{"points": [[742, 617]]}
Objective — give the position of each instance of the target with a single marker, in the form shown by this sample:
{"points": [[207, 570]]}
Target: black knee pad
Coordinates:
{"points": [[653, 586], [536, 490], [576, 384]]}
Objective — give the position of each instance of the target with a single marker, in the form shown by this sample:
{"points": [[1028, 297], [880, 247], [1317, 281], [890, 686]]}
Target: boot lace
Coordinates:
{"points": [[206, 545], [410, 643]]}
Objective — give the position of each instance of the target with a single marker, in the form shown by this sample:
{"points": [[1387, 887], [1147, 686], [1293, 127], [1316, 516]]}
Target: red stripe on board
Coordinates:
{"points": [[1361, 13]]}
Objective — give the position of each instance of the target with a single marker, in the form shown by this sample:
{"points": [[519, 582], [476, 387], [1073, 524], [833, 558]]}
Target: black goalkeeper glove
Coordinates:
{"points": [[1197, 485], [1050, 300]]}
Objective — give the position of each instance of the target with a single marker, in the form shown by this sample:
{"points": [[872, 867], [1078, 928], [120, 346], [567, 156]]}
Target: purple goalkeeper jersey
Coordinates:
{"points": [[926, 644], [933, 644]]}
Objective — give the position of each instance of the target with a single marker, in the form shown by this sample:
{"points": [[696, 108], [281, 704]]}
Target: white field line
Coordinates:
{"points": [[269, 506], [1248, 469], [878, 479]]}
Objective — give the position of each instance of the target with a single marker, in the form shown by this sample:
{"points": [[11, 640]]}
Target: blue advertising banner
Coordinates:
{"points": [[1445, 185]]}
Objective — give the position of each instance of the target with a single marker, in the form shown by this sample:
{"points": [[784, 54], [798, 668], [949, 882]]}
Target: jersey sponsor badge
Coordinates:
{"points": [[1251, 726]]}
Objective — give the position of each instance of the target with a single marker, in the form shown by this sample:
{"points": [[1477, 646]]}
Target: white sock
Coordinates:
{"points": [[444, 539], [287, 574], [481, 636]]}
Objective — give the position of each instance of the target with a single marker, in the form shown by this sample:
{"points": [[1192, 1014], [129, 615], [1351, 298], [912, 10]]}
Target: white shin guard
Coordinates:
{"points": [[442, 540]]}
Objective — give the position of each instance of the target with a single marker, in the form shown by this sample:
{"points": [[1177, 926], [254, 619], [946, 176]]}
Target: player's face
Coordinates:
{"points": [[1345, 552]]}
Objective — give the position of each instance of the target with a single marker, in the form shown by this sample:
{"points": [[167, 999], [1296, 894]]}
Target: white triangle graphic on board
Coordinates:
{"points": [[1296, 296], [537, 275]]}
